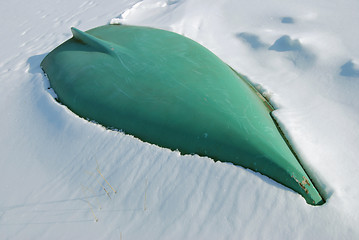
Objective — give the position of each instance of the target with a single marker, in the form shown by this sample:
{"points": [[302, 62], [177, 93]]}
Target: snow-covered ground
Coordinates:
{"points": [[303, 55]]}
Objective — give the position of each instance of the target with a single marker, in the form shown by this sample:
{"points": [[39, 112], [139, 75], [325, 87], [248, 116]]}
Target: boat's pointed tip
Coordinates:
{"points": [[75, 32], [306, 188]]}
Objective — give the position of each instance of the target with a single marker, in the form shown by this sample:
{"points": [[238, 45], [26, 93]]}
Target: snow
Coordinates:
{"points": [[303, 55]]}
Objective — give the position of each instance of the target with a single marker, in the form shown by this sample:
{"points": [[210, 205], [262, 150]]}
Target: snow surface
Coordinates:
{"points": [[303, 55]]}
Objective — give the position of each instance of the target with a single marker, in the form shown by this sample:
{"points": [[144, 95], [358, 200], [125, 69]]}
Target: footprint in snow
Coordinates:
{"points": [[287, 20], [299, 55], [251, 39], [350, 69], [285, 43]]}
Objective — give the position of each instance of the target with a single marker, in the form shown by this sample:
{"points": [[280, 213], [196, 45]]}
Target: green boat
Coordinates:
{"points": [[168, 90]]}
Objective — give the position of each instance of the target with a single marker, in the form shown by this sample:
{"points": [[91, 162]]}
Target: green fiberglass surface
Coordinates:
{"points": [[170, 91]]}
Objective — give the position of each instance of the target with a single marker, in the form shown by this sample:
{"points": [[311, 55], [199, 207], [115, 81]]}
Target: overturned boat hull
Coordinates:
{"points": [[170, 91]]}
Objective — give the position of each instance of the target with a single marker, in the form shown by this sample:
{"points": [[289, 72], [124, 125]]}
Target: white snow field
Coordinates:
{"points": [[304, 57]]}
